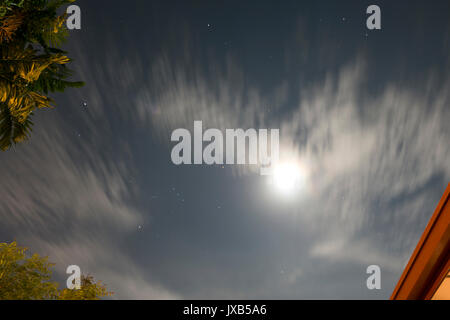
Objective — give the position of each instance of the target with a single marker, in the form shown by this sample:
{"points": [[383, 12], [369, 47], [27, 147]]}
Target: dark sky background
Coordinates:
{"points": [[366, 112]]}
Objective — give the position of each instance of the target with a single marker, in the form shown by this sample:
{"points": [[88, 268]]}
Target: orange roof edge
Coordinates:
{"points": [[431, 256]]}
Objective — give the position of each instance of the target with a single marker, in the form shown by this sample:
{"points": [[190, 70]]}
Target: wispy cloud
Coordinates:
{"points": [[372, 163], [69, 200], [371, 158]]}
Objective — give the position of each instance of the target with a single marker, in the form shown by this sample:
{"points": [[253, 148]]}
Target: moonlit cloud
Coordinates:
{"points": [[376, 159], [66, 200], [355, 146]]}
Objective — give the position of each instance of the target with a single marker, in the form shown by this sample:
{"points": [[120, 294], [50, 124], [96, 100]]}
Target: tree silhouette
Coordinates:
{"points": [[28, 277], [31, 64]]}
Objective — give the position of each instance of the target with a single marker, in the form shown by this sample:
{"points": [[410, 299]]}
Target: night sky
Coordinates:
{"points": [[366, 113]]}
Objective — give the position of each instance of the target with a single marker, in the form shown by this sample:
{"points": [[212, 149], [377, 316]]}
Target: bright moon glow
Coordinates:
{"points": [[288, 177]]}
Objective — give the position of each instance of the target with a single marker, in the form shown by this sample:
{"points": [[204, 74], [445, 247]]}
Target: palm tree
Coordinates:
{"points": [[31, 65]]}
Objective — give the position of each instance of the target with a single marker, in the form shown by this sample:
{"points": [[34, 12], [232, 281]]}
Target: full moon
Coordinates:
{"points": [[288, 177]]}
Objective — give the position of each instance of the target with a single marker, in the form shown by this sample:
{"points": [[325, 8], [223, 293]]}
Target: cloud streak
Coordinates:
{"points": [[376, 164]]}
